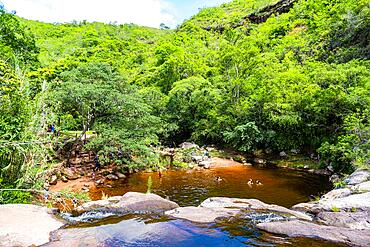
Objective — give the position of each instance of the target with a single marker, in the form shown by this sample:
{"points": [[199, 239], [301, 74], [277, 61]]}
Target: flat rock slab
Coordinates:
{"points": [[353, 220], [297, 228], [252, 204], [25, 225], [200, 214], [131, 202]]}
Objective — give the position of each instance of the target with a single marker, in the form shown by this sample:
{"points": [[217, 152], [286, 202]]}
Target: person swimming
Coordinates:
{"points": [[218, 179], [250, 182], [258, 182]]}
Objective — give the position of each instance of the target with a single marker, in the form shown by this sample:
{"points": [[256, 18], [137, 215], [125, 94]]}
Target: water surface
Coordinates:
{"points": [[190, 188]]}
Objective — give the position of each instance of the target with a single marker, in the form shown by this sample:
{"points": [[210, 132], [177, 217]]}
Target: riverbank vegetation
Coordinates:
{"points": [[252, 75]]}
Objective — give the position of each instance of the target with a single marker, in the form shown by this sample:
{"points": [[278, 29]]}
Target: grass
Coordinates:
{"points": [[82, 196], [335, 209]]}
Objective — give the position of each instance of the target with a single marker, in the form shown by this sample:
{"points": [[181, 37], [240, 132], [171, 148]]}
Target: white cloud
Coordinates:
{"points": [[142, 12]]}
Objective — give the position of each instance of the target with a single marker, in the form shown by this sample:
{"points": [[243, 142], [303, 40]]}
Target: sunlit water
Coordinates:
{"points": [[190, 188]]}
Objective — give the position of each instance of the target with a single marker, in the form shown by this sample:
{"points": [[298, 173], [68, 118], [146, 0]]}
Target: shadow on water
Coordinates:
{"points": [[190, 188]]}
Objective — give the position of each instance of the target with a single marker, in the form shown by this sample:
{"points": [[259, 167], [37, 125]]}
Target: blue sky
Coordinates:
{"points": [[142, 12]]}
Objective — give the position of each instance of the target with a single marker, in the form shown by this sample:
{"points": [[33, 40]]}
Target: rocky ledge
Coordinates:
{"points": [[341, 215], [26, 225]]}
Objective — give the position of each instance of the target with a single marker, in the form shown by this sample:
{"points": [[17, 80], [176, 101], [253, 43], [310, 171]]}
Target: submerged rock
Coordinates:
{"points": [[131, 202], [26, 225], [297, 228]]}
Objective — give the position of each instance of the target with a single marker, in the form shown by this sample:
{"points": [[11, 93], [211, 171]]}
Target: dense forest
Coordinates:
{"points": [[249, 75]]}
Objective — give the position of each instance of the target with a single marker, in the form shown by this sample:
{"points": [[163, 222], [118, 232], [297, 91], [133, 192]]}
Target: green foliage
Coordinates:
{"points": [[17, 45], [298, 80], [244, 137], [352, 147], [94, 96]]}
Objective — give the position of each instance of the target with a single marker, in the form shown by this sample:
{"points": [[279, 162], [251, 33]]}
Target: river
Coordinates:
{"points": [[189, 188]]}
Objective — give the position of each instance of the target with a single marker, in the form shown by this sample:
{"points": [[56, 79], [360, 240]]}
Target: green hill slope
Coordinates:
{"points": [[253, 75]]}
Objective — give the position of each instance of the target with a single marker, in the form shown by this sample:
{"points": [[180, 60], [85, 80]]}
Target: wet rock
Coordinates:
{"points": [[53, 180], [358, 177], [120, 175], [64, 179], [362, 187], [131, 202], [26, 225], [188, 145], [201, 214], [297, 228], [337, 193], [353, 220], [207, 166], [70, 174], [252, 204], [112, 177]]}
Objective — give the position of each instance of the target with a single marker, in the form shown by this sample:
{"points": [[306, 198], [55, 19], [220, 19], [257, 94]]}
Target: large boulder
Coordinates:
{"points": [[70, 174], [250, 204], [297, 228], [131, 202], [200, 214], [338, 193], [358, 177], [353, 220], [357, 201], [26, 225]]}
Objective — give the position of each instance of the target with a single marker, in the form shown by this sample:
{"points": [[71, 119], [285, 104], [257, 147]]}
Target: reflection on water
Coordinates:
{"points": [[154, 230], [190, 188]]}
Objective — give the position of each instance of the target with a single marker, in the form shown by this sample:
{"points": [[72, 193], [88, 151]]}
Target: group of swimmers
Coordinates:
{"points": [[250, 181]]}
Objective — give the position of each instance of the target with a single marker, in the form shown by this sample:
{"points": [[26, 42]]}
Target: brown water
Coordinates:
{"points": [[280, 186], [189, 188]]}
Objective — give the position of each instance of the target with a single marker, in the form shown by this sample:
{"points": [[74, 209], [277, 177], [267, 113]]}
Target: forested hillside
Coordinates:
{"points": [[251, 74]]}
